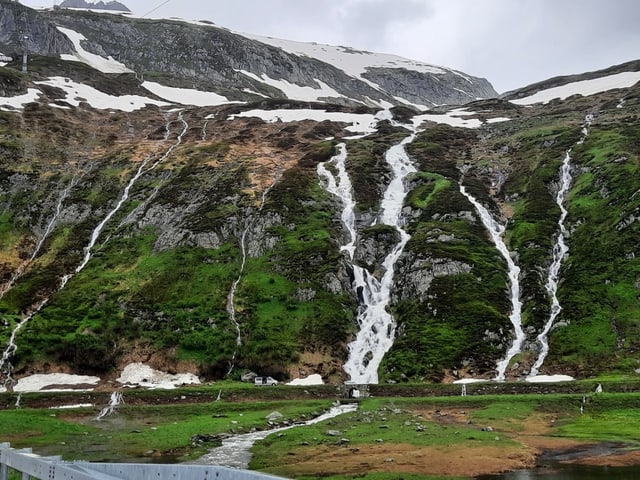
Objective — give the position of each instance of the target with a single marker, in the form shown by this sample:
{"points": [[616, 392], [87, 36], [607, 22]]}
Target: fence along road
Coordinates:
{"points": [[53, 468]]}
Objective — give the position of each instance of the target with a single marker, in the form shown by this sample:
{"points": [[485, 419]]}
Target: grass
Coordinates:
{"points": [[446, 424], [140, 431]]}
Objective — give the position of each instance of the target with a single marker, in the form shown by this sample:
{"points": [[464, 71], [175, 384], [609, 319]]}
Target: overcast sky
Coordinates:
{"points": [[512, 43]]}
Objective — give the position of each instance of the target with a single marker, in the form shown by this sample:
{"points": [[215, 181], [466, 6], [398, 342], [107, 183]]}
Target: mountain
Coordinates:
{"points": [[238, 67], [112, 5], [312, 224]]}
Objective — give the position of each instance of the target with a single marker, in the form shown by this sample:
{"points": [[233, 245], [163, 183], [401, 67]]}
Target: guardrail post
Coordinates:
{"points": [[4, 469], [25, 475]]}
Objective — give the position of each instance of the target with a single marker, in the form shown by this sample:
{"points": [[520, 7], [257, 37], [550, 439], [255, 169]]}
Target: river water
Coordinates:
{"points": [[570, 472], [235, 451]]}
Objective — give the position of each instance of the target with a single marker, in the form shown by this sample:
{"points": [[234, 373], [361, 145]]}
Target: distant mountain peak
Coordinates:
{"points": [[112, 5]]}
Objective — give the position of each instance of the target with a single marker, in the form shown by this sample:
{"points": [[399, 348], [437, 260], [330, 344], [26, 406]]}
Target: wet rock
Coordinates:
{"points": [[273, 416]]}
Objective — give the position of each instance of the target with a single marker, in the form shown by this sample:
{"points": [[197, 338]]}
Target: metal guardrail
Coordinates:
{"points": [[31, 465]]}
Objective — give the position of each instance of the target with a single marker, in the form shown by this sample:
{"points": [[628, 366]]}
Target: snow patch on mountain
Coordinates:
{"points": [[583, 87], [104, 65], [458, 117], [79, 92], [139, 374], [296, 92], [19, 101], [56, 382], [358, 123], [352, 62], [186, 96]]}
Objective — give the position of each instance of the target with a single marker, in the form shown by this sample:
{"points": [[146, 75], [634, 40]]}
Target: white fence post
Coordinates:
{"points": [[4, 469]]}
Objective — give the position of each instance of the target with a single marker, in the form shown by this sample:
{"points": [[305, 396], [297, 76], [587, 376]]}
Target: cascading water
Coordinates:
{"points": [[142, 169], [560, 250], [49, 228], [114, 402], [5, 365], [376, 325], [341, 187], [230, 307], [496, 231]]}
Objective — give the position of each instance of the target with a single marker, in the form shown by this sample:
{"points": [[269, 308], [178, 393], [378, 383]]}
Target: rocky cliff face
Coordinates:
{"points": [[17, 20], [179, 207]]}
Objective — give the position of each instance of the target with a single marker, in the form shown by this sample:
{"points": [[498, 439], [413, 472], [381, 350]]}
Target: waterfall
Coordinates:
{"points": [[496, 231], [114, 402], [376, 325], [5, 364], [560, 250], [341, 187], [142, 169], [230, 307], [49, 228]]}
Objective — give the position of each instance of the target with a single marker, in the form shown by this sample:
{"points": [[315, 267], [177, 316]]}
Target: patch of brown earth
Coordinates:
{"points": [[450, 461], [322, 363]]}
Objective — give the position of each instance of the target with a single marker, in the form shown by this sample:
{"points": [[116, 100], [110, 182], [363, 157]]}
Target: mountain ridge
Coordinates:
{"points": [[100, 5], [237, 67]]}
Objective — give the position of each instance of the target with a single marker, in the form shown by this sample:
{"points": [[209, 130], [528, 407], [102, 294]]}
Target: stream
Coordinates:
{"points": [[235, 451], [496, 230], [560, 250], [567, 471], [6, 368]]}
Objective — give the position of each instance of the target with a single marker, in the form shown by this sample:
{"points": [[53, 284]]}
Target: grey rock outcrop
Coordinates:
{"points": [[42, 37]]}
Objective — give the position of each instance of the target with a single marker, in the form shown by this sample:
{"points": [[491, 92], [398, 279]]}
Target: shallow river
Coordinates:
{"points": [[235, 451], [570, 472]]}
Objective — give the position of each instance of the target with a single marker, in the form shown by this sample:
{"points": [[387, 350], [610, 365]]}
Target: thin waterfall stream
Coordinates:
{"points": [[6, 367], [48, 229], [560, 250], [230, 306], [496, 231]]}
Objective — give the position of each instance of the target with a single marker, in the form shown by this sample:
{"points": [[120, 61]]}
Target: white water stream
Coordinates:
{"points": [[230, 307], [114, 402], [5, 365], [496, 230], [49, 228], [376, 325], [560, 250], [235, 451]]}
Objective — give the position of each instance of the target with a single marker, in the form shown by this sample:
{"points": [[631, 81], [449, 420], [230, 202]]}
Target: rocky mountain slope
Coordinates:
{"points": [[211, 239]]}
